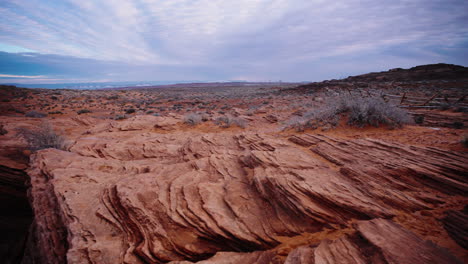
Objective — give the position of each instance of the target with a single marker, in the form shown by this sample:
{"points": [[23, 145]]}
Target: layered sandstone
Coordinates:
{"points": [[129, 192]]}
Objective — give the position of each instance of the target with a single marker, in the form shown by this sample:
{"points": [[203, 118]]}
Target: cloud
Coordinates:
{"points": [[21, 76], [288, 39]]}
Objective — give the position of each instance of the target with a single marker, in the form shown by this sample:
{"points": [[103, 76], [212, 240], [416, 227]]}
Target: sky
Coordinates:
{"points": [[59, 41]]}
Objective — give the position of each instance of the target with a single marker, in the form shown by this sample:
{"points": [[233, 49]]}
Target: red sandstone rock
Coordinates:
{"points": [[142, 197]]}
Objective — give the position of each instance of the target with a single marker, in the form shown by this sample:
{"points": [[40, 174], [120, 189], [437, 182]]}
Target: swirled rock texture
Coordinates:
{"points": [[138, 196]]}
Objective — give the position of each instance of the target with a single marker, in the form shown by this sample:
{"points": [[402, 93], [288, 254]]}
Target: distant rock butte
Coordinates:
{"points": [[440, 73], [136, 196]]}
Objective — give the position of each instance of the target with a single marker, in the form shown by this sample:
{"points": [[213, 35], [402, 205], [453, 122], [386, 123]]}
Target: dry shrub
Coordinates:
{"points": [[42, 137], [374, 111], [367, 111], [35, 114], [83, 111], [192, 119], [120, 117], [228, 121]]}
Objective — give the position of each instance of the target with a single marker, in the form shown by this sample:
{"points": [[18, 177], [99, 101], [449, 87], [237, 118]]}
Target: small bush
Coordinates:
{"points": [[83, 111], [120, 117], [192, 119], [55, 113], [205, 117], [42, 138], [130, 111], [373, 111], [35, 114], [297, 123], [419, 119], [228, 121]]}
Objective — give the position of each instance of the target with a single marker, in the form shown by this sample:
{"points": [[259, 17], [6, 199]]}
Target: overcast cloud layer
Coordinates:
{"points": [[207, 40]]}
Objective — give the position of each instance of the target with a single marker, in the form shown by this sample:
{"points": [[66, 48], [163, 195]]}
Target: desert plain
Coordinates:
{"points": [[367, 169]]}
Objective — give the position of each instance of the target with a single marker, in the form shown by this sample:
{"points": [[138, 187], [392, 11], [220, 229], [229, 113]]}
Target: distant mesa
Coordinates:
{"points": [[438, 71]]}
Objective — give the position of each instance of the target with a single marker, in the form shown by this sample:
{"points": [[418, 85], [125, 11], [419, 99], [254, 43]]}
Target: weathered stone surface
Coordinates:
{"points": [[145, 197], [376, 241], [456, 224], [145, 122]]}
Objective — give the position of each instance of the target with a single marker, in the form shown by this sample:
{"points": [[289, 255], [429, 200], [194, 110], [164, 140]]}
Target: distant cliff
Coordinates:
{"points": [[440, 71]]}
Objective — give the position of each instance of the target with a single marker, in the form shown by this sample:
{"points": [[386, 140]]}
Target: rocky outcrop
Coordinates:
{"points": [[456, 224], [438, 71], [145, 197], [375, 241]]}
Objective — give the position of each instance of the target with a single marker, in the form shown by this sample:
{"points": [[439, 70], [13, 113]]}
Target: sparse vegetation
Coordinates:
{"points": [[419, 119], [83, 111], [130, 111], [42, 137], [120, 117], [227, 121], [373, 111], [35, 114], [360, 112], [192, 119]]}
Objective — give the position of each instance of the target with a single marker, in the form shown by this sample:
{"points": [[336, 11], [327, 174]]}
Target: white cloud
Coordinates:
{"points": [[244, 33], [21, 76]]}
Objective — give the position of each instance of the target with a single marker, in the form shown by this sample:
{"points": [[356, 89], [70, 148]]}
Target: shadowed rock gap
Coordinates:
{"points": [[15, 214]]}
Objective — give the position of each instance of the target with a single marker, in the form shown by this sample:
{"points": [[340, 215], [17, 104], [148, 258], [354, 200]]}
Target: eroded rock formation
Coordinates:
{"points": [[136, 196]]}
